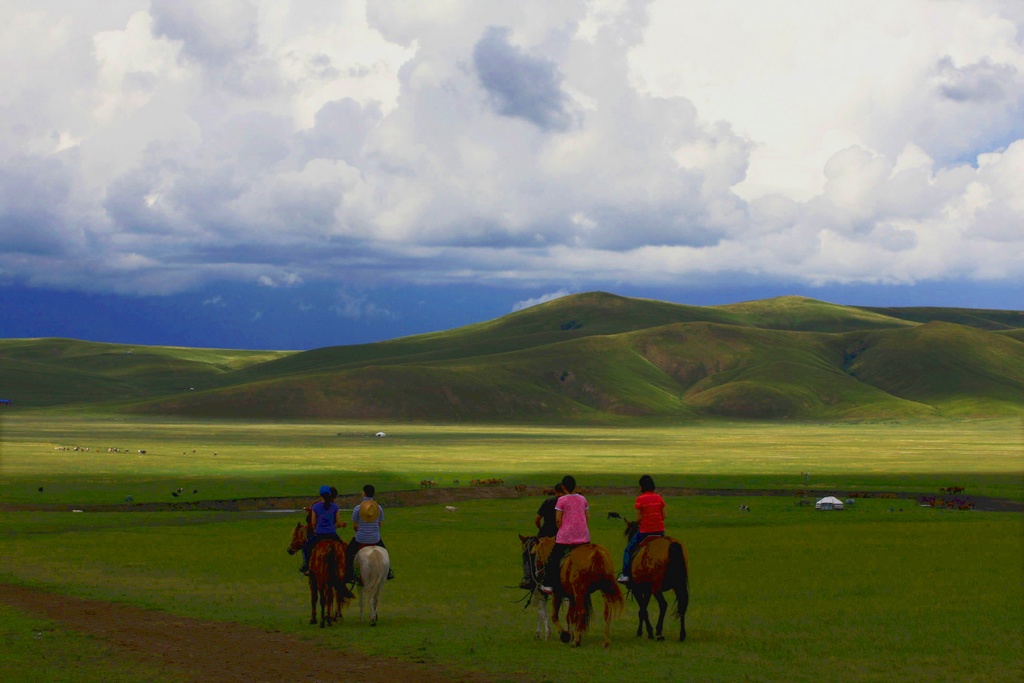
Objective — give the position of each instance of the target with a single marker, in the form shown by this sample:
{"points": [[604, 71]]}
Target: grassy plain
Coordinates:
{"points": [[780, 593], [43, 651], [236, 459]]}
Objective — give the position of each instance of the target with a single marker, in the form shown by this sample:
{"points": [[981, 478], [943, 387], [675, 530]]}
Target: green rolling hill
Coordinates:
{"points": [[591, 357]]}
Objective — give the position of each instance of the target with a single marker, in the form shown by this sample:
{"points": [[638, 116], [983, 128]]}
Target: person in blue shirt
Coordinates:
{"points": [[324, 519], [367, 518]]}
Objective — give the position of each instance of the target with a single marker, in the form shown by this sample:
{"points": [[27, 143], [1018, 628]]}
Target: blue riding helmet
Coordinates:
{"points": [[324, 490]]}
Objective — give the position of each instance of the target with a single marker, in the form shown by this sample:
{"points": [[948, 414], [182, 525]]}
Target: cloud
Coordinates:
{"points": [[519, 85], [155, 147], [211, 33], [981, 82], [357, 307], [282, 280], [543, 298]]}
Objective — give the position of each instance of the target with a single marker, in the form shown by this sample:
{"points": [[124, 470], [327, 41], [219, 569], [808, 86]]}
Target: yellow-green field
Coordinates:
{"points": [[225, 459], [884, 591]]}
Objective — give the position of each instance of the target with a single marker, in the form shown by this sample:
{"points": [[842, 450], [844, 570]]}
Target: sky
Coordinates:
{"points": [[292, 174]]}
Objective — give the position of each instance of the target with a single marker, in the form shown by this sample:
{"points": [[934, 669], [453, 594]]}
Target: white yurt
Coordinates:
{"points": [[829, 503]]}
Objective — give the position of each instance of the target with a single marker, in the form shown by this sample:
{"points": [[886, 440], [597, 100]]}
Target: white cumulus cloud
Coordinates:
{"points": [[153, 146]]}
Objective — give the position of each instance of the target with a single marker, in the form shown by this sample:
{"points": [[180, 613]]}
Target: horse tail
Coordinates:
{"points": [[677, 577], [336, 571], [374, 573], [605, 582], [614, 602]]}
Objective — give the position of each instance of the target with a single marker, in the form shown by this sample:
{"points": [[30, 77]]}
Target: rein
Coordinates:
{"points": [[529, 548]]}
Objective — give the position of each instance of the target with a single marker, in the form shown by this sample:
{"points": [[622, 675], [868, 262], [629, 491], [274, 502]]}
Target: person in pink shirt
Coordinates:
{"points": [[571, 516]]}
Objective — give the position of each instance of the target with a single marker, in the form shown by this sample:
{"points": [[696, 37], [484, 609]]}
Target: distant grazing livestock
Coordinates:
{"points": [[380, 434], [450, 508], [614, 515]]}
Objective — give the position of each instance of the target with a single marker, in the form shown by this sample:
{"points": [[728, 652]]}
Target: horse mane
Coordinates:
{"points": [[632, 526]]}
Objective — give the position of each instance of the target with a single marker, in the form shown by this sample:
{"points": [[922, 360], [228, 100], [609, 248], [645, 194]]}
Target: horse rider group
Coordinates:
{"points": [[565, 516], [325, 520]]}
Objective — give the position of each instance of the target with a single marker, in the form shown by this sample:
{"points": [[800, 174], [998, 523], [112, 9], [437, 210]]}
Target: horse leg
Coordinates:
{"points": [[313, 595], [543, 626], [577, 617], [563, 633], [374, 604], [607, 624], [682, 602], [662, 607], [643, 600]]}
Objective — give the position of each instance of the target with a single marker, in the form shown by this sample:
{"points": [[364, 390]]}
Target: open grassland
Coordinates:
{"points": [[592, 358], [41, 650], [779, 593], [242, 459]]}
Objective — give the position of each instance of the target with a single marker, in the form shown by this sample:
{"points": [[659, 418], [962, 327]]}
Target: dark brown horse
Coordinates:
{"points": [[660, 564], [586, 569], [326, 576]]}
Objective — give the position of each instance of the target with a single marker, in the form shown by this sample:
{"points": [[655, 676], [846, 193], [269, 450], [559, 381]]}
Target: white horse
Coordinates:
{"points": [[540, 601], [373, 563]]}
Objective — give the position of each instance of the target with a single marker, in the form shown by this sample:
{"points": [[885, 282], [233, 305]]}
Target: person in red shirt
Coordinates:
{"points": [[650, 512]]}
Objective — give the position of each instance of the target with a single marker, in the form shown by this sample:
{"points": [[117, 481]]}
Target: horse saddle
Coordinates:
{"points": [[656, 548]]}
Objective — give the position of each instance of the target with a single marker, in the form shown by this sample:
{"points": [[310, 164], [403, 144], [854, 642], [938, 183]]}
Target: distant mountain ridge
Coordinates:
{"points": [[588, 357]]}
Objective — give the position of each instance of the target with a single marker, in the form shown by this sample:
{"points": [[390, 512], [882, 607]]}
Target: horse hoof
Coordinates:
{"points": [[313, 621], [660, 638], [564, 636]]}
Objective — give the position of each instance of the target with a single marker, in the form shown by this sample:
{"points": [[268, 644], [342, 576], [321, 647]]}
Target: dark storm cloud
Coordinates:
{"points": [[32, 194], [521, 86]]}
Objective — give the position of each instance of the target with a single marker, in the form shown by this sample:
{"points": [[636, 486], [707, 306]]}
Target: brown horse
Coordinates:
{"points": [[586, 568], [326, 576], [660, 564]]}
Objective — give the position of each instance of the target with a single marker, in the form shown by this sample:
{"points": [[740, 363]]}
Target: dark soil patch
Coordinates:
{"points": [[219, 651]]}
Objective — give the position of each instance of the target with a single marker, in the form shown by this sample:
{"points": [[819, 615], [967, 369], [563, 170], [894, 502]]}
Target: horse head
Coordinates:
{"points": [[299, 537], [632, 526]]}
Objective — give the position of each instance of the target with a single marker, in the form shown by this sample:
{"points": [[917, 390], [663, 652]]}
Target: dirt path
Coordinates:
{"points": [[225, 652]]}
